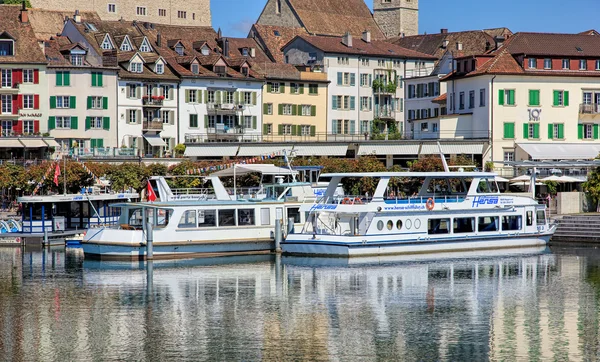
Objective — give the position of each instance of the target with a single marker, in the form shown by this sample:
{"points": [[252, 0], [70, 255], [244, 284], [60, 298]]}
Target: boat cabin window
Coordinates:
{"points": [[227, 217], [265, 216], [457, 186], [529, 218], [207, 218], [540, 217], [438, 226], [380, 225], [246, 217], [463, 225], [36, 211], [188, 220], [163, 217], [135, 217], [438, 186], [487, 224], [512, 222], [486, 186], [294, 212]]}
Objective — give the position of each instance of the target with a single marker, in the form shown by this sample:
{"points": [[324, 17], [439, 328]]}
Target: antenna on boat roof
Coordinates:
{"points": [[446, 169]]}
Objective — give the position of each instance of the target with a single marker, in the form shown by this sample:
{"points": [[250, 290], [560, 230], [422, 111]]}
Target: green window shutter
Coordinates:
{"points": [[294, 133], [555, 102], [106, 123], [205, 96], [51, 123], [370, 80], [580, 131], [280, 109], [509, 130], [67, 80], [265, 128], [595, 131], [561, 131], [313, 110], [94, 82], [89, 102], [100, 80], [73, 122], [187, 96], [72, 102], [59, 80], [294, 110], [265, 108], [511, 97], [334, 123], [550, 131], [93, 143], [301, 88], [334, 104], [566, 98], [280, 129], [282, 88], [104, 102], [313, 131], [254, 123], [253, 98], [352, 103], [87, 123], [205, 121], [525, 130], [52, 102], [236, 97], [534, 97], [218, 97], [501, 97], [352, 79], [269, 87], [536, 131], [100, 143], [339, 78]]}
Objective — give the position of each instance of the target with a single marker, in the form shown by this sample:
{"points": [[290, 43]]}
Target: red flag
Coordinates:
{"points": [[56, 174], [151, 193]]}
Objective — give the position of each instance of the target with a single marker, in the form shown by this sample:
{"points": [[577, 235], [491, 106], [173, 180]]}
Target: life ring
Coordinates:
{"points": [[346, 201], [357, 200], [18, 239], [430, 204]]}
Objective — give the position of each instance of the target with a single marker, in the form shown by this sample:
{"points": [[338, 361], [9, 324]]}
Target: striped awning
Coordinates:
{"points": [[453, 149], [388, 149], [211, 150], [261, 150], [33, 142], [320, 150]]}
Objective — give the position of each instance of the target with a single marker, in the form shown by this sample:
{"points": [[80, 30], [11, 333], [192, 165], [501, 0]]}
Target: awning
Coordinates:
{"points": [[388, 149], [155, 141], [10, 143], [52, 143], [211, 150], [265, 169], [33, 143], [557, 151], [453, 149], [261, 150], [320, 150]]}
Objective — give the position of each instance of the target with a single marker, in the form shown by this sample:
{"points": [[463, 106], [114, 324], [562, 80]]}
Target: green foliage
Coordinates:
{"points": [[157, 169], [128, 175], [592, 185], [18, 2], [179, 149], [489, 166], [552, 187]]}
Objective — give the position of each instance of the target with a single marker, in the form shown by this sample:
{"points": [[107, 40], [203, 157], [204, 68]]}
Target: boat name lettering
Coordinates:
{"points": [[323, 207], [485, 200], [120, 196], [78, 198]]}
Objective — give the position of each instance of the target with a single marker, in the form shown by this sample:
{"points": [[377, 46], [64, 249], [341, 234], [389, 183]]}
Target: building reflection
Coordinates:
{"points": [[520, 306]]}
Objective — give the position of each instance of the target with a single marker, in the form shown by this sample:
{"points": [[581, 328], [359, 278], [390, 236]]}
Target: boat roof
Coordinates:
{"points": [[79, 197], [265, 169], [412, 174], [193, 203]]}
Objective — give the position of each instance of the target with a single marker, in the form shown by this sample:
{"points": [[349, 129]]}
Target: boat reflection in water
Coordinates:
{"points": [[523, 304]]}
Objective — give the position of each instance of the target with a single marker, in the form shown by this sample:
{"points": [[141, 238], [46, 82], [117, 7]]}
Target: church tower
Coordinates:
{"points": [[397, 17]]}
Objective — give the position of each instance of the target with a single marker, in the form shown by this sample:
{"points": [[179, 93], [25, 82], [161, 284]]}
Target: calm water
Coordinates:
{"points": [[525, 305]]}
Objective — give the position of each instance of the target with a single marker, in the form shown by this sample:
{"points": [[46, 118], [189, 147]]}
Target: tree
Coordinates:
{"points": [[592, 186], [128, 175], [179, 150], [18, 2]]}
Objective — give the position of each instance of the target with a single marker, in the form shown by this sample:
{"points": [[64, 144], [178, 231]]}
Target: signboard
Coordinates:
{"points": [[534, 114]]}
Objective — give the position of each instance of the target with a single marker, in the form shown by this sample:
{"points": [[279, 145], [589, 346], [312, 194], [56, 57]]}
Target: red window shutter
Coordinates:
{"points": [[36, 76], [16, 103], [18, 127], [36, 126], [36, 101], [17, 76]]}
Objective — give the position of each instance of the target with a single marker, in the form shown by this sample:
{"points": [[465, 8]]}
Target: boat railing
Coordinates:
{"points": [[191, 191], [362, 199]]}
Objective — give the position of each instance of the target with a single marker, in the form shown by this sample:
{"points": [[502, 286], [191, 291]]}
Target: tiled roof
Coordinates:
{"points": [[494, 32], [52, 48], [237, 44], [49, 23], [378, 48], [440, 99], [549, 44], [26, 49], [336, 17], [272, 43]]}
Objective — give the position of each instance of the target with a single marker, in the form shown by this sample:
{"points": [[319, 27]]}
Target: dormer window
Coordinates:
{"points": [[126, 45], [195, 68], [205, 50], [160, 68], [220, 69], [245, 52], [582, 64], [532, 63], [135, 67], [7, 47], [566, 64], [106, 43], [179, 49], [547, 63], [77, 59], [245, 71], [145, 47]]}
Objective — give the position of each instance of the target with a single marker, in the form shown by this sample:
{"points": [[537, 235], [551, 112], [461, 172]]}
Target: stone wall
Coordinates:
{"points": [[285, 17], [397, 17]]}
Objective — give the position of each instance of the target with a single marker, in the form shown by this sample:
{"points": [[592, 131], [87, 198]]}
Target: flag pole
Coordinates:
{"points": [[64, 175]]}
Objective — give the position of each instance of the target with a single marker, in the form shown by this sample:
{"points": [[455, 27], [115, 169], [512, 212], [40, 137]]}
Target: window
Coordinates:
{"points": [[294, 88], [558, 131], [438, 226], [343, 60], [425, 127], [306, 109], [97, 80], [365, 127], [248, 122], [63, 79], [63, 122], [132, 91], [166, 91], [28, 127], [188, 220], [132, 116], [112, 8], [193, 121], [6, 104], [219, 69], [582, 64], [588, 131], [380, 63], [561, 98], [434, 127], [365, 103], [141, 10], [181, 14], [160, 68], [529, 218], [461, 101], [95, 122], [313, 89], [533, 130], [7, 128], [287, 109], [364, 80], [212, 121], [195, 68], [226, 217], [482, 97], [506, 96], [534, 97], [598, 64], [162, 12], [294, 213], [364, 62], [345, 78], [245, 52], [192, 96], [145, 47], [487, 224], [566, 64], [547, 63], [471, 99], [135, 67], [210, 95], [207, 218], [540, 217], [6, 78], [28, 101], [305, 130], [62, 102], [587, 97], [229, 99], [166, 117], [246, 217], [268, 128], [275, 88], [126, 45], [532, 63], [509, 156], [247, 97], [7, 47], [463, 225], [28, 76], [278, 7]]}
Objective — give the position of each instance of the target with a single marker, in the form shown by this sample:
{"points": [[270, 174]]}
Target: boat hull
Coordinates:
{"points": [[350, 246]]}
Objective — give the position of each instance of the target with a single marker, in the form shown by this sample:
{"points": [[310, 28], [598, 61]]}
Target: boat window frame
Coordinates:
{"points": [[168, 218], [482, 230], [188, 224], [219, 211], [489, 182], [519, 222], [529, 218], [268, 216], [438, 227], [205, 225], [380, 225], [252, 217], [473, 225], [298, 219], [543, 218]]}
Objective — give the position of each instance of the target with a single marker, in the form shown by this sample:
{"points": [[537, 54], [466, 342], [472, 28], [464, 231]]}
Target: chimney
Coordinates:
{"points": [[253, 52], [219, 34], [443, 31], [366, 36], [459, 46], [158, 40], [347, 39], [445, 43], [24, 14], [226, 47], [77, 17], [488, 46], [499, 40]]}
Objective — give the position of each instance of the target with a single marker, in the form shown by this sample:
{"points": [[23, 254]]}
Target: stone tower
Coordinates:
{"points": [[397, 17]]}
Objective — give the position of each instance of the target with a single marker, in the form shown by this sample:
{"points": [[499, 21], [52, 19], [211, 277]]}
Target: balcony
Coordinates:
{"points": [[589, 108], [385, 112], [10, 90], [224, 108], [155, 124], [154, 101]]}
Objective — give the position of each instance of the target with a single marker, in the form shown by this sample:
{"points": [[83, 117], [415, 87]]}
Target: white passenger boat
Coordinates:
{"points": [[451, 211], [218, 223]]}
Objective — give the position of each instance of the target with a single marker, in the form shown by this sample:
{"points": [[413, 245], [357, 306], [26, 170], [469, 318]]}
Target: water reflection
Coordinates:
{"points": [[508, 305]]}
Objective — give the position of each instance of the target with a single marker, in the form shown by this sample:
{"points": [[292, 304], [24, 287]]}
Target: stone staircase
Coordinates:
{"points": [[578, 228]]}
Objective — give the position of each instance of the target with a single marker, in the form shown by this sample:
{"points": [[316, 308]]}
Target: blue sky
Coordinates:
{"points": [[235, 17]]}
